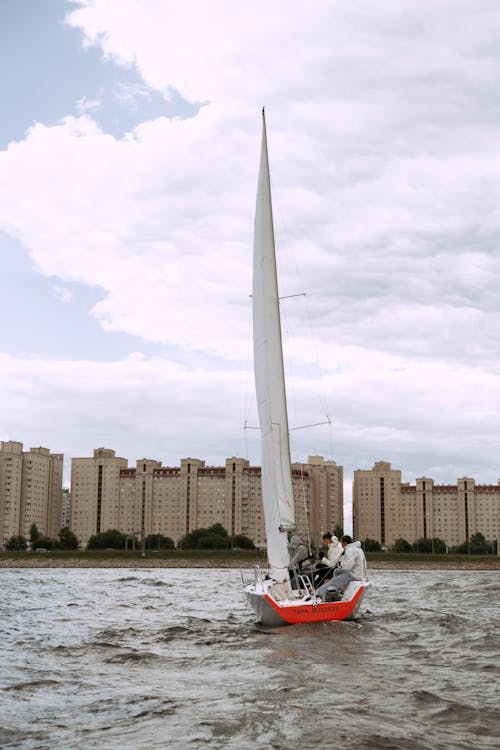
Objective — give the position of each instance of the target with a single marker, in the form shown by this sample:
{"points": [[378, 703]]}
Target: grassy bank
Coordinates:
{"points": [[225, 559], [121, 558]]}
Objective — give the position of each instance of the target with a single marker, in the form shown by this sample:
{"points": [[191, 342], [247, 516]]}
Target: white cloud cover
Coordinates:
{"points": [[383, 119]]}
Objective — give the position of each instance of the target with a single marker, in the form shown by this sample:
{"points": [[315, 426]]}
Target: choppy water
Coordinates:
{"points": [[171, 658]]}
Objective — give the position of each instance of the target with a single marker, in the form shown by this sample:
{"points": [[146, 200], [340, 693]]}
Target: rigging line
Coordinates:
{"points": [[304, 503], [306, 511], [286, 238], [321, 395], [291, 398], [288, 296], [246, 440], [306, 426], [292, 429], [330, 431], [247, 378]]}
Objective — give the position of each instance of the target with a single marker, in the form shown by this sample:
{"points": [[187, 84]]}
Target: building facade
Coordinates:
{"points": [[66, 500], [152, 499], [95, 493], [386, 509], [30, 491]]}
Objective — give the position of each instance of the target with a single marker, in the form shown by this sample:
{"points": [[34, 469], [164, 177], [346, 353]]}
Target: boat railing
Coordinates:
{"points": [[257, 578], [307, 587]]}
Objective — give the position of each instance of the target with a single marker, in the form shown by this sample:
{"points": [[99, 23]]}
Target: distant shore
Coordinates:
{"points": [[198, 559]]}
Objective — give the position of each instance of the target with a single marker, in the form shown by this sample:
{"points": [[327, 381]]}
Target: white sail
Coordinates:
{"points": [[277, 493]]}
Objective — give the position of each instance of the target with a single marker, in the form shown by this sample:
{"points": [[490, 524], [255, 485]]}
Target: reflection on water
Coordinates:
{"points": [[171, 658]]}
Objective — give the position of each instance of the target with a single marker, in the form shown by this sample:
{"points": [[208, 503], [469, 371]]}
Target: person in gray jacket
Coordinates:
{"points": [[297, 549], [299, 555], [352, 567]]}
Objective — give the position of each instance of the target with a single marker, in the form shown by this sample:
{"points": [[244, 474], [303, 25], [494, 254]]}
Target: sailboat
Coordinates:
{"points": [[271, 595]]}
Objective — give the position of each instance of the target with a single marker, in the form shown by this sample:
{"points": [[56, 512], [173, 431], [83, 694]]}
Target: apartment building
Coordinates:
{"points": [[152, 499], [30, 490], [385, 509], [95, 493]]}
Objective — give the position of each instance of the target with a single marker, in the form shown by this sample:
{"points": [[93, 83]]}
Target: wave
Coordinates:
{"points": [[112, 634], [31, 685], [173, 632], [155, 582], [132, 657], [14, 738], [382, 742], [195, 669]]}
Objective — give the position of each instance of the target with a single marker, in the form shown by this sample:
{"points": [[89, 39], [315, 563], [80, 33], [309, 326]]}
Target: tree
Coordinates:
{"points": [[461, 549], [40, 541], [158, 541], [371, 545], [477, 545], [338, 530], [401, 545], [112, 538], [434, 546], [243, 542], [16, 543], [45, 542], [67, 539], [34, 536], [478, 539], [215, 537]]}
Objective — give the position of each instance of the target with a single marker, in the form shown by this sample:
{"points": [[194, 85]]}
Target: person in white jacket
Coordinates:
{"points": [[352, 567], [334, 552]]}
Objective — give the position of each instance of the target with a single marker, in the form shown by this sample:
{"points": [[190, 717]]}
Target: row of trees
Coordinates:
{"points": [[66, 540], [214, 537], [114, 539], [477, 545]]}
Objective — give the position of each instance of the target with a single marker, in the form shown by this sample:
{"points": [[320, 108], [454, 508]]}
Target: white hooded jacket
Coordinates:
{"points": [[354, 561], [334, 553]]}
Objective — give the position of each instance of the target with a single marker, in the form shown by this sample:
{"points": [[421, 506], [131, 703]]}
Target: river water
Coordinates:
{"points": [[171, 658]]}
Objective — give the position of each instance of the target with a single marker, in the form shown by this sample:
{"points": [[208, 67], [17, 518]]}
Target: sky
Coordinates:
{"points": [[129, 148]]}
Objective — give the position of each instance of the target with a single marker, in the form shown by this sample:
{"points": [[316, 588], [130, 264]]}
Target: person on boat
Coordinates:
{"points": [[352, 567], [333, 551], [297, 549], [299, 556]]}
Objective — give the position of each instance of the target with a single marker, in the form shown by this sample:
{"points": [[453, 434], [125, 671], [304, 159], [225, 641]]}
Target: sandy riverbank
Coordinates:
{"points": [[48, 562]]}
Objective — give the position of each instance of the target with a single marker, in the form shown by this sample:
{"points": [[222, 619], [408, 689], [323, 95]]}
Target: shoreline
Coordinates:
{"points": [[142, 563]]}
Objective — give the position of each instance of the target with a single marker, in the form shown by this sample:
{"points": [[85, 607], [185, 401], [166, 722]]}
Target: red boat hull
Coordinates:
{"points": [[272, 613], [316, 612]]}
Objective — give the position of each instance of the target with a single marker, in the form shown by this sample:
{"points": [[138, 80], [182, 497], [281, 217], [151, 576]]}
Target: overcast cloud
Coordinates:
{"points": [[383, 120]]}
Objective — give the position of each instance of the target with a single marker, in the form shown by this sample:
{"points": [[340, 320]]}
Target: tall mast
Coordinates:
{"points": [[277, 494]]}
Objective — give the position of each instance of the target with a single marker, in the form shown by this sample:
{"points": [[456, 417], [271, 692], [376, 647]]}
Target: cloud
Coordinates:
{"points": [[75, 406], [141, 217], [384, 154], [84, 105], [63, 294], [441, 424]]}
